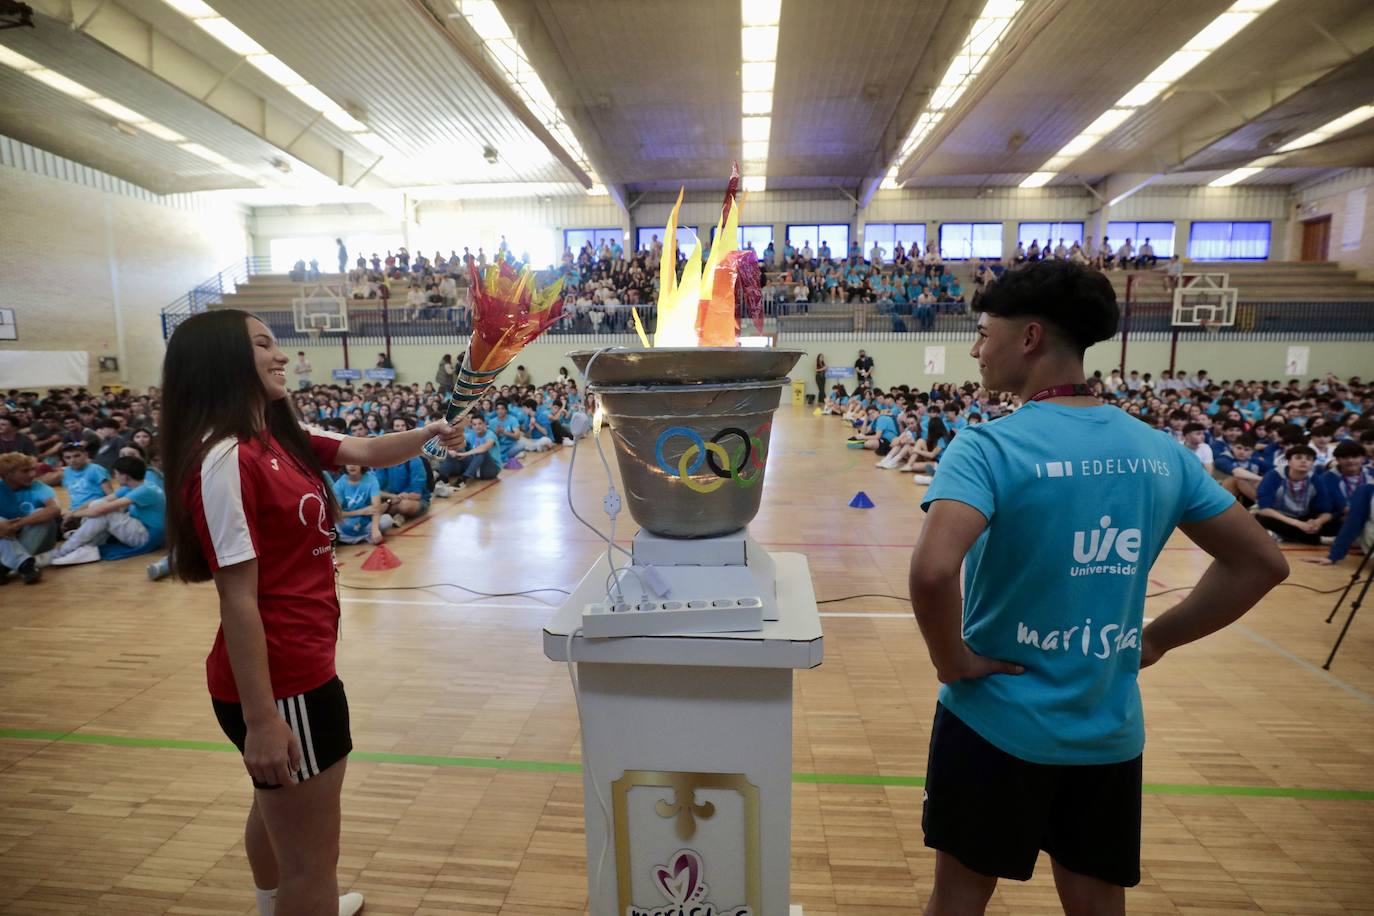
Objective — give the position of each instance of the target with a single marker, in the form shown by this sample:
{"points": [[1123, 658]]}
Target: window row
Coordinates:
{"points": [[1207, 241]]}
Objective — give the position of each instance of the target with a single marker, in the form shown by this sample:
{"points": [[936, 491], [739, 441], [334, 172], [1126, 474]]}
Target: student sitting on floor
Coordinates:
{"points": [[128, 523], [405, 487], [1358, 527], [537, 427], [905, 441], [1241, 469], [883, 430], [28, 517], [83, 479], [1293, 505], [360, 502], [1345, 475], [480, 460], [925, 456]]}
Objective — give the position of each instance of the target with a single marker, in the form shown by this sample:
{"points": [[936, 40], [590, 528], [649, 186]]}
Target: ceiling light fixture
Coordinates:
{"points": [[1216, 33], [241, 43], [1234, 176], [982, 40], [505, 52], [1328, 130], [126, 120], [759, 25]]}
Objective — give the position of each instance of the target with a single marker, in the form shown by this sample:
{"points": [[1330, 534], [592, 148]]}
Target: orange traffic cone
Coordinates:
{"points": [[381, 558]]}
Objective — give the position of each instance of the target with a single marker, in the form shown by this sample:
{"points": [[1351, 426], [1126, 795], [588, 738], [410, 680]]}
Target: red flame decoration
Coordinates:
{"points": [[508, 312]]}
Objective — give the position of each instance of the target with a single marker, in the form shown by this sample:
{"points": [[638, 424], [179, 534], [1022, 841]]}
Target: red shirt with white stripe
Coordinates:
{"points": [[251, 500]]}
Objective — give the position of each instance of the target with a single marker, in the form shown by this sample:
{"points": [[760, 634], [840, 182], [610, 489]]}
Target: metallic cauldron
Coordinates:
{"points": [[692, 429]]}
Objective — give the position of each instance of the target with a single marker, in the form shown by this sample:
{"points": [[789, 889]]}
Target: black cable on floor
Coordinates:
{"points": [[1181, 588], [563, 591], [403, 588]]}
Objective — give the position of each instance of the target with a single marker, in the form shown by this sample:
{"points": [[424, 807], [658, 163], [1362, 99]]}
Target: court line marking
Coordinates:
{"points": [[549, 766], [1303, 663]]}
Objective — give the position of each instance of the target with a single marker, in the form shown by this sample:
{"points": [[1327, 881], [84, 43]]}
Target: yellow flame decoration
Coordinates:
{"points": [[679, 301]]}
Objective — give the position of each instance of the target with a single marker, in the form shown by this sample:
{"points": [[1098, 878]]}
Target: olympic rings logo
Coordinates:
{"points": [[749, 451]]}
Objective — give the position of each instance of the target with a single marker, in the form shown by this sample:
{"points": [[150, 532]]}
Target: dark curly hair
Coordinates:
{"points": [[1079, 302]]}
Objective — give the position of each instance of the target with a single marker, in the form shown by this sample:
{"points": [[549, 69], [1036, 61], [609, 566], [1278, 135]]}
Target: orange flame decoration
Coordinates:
{"points": [[508, 312]]}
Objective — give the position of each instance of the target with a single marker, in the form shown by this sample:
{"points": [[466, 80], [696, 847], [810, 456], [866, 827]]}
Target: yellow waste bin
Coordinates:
{"points": [[798, 391]]}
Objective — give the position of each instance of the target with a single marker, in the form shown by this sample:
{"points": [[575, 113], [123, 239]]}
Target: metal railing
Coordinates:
{"points": [[1262, 320], [1341, 320], [211, 292]]}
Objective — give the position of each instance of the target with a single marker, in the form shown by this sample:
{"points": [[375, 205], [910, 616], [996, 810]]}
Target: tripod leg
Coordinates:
{"points": [[1355, 606], [1349, 585]]}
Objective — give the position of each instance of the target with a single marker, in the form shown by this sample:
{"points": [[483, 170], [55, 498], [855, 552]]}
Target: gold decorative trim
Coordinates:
{"points": [[685, 808]]}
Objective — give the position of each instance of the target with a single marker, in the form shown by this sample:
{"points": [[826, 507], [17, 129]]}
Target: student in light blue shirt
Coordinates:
{"points": [[82, 479], [128, 523], [1057, 512], [479, 460], [28, 517], [508, 433], [360, 504], [405, 488]]}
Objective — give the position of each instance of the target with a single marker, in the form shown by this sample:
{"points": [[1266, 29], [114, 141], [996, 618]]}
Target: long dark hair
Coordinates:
{"points": [[935, 431], [210, 392]]}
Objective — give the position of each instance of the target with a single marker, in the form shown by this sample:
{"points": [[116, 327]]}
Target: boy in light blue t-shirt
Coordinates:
{"points": [[1057, 513], [127, 523], [360, 502], [82, 479]]}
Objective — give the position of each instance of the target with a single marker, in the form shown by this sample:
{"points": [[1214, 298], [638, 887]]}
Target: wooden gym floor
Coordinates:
{"points": [[117, 795]]}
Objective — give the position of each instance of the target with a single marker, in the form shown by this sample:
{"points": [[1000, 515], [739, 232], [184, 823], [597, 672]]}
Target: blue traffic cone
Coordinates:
{"points": [[861, 501]]}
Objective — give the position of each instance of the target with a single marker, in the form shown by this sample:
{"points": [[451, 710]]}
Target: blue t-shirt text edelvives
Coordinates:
{"points": [[1079, 503]]}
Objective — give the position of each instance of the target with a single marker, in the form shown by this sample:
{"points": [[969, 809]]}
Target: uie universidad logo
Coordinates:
{"points": [[682, 882], [1106, 550]]}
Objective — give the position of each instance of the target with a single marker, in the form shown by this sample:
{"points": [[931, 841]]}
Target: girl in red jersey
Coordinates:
{"points": [[248, 505]]}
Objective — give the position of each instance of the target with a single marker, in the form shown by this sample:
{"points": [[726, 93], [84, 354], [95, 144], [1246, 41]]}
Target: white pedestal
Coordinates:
{"points": [[689, 739]]}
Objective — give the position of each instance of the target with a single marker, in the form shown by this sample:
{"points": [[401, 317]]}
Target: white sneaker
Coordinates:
{"points": [[398, 520], [87, 554], [1327, 541], [443, 490], [350, 903], [567, 442], [923, 480], [43, 559]]}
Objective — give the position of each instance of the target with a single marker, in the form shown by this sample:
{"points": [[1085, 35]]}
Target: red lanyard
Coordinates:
{"points": [[1062, 391]]}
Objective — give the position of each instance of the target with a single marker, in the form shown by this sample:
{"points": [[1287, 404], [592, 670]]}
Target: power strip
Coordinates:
{"points": [[666, 618]]}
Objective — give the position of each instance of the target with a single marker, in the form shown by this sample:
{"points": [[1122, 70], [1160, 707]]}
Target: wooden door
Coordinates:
{"points": [[1316, 234]]}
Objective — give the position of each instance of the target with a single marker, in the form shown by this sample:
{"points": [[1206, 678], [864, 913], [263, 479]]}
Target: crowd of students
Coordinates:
{"points": [[1301, 457], [102, 451]]}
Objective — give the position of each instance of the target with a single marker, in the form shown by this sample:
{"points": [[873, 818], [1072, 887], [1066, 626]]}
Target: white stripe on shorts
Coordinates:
{"points": [[303, 773], [308, 744]]}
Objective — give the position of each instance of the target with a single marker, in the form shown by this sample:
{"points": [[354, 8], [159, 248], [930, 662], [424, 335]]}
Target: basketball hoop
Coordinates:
{"points": [[313, 334], [1211, 327]]}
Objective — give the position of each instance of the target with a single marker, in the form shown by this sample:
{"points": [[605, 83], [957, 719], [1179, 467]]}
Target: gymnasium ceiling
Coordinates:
{"points": [[651, 90]]}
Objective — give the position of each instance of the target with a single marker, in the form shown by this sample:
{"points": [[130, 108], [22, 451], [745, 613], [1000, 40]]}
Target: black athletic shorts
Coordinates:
{"points": [[318, 718], [994, 812]]}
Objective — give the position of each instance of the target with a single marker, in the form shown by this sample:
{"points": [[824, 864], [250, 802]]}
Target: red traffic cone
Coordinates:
{"points": [[381, 558]]}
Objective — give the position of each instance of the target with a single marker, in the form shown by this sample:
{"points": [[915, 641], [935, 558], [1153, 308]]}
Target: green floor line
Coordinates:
{"points": [[549, 766]]}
